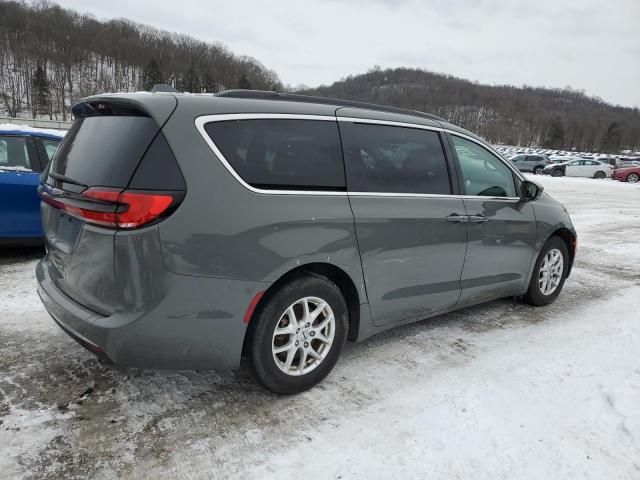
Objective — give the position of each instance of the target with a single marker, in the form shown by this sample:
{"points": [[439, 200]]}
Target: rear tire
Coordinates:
{"points": [[557, 173], [600, 175], [633, 178], [543, 288], [537, 170], [284, 362]]}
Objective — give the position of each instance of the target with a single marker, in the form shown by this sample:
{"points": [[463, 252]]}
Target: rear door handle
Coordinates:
{"points": [[456, 218], [477, 219]]}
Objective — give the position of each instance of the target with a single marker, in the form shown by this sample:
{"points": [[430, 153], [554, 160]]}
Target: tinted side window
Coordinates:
{"points": [[483, 173], [14, 152], [50, 147], [382, 158], [278, 154]]}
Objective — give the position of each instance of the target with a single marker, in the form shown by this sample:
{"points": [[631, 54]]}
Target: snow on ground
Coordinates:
{"points": [[499, 391]]}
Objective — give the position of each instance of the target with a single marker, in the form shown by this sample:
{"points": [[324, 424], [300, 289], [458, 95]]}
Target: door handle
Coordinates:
{"points": [[456, 218], [477, 219]]}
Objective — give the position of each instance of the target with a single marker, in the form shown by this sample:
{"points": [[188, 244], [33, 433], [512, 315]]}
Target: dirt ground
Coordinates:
{"points": [[501, 390]]}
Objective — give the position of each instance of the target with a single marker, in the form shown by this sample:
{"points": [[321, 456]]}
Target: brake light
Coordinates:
{"points": [[114, 208]]}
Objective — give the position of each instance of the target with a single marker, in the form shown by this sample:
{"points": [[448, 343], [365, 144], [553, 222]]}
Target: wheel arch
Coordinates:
{"points": [[336, 275], [570, 240], [631, 173]]}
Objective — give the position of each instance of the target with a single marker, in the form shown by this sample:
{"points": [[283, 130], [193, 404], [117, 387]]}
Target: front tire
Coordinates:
{"points": [[549, 273], [295, 339], [537, 170], [557, 173], [633, 178]]}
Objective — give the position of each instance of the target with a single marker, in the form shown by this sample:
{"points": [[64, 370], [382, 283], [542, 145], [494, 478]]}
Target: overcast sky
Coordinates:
{"points": [[591, 45]]}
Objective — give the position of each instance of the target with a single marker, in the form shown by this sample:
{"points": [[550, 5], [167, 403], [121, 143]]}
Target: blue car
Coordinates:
{"points": [[24, 153]]}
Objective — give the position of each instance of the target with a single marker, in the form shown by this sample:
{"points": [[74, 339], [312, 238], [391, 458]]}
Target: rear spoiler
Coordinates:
{"points": [[144, 104], [111, 107]]}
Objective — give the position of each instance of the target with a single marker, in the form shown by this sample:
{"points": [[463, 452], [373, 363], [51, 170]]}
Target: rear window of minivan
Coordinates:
{"points": [[282, 153], [104, 150]]}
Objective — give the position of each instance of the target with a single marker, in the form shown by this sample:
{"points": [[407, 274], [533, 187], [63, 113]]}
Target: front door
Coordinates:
{"points": [[575, 169], [502, 228], [411, 230]]}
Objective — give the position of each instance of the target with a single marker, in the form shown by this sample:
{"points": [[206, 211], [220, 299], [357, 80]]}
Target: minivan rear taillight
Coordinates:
{"points": [[115, 208]]}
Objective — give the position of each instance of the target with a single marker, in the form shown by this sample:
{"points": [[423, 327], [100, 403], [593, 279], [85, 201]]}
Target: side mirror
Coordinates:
{"points": [[530, 191]]}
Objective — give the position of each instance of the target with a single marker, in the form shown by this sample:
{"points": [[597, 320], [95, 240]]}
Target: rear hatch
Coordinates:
{"points": [[113, 171]]}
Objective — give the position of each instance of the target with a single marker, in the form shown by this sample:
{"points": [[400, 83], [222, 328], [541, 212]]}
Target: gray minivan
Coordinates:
{"points": [[202, 231]]}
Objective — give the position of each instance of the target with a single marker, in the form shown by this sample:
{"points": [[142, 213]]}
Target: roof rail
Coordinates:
{"points": [[291, 97]]}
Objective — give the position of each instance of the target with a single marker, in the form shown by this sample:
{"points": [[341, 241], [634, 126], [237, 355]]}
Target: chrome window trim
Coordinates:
{"points": [[429, 195], [391, 123], [202, 120]]}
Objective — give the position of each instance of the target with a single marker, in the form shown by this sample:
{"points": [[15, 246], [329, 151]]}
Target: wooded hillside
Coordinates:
{"points": [[50, 57], [560, 119]]}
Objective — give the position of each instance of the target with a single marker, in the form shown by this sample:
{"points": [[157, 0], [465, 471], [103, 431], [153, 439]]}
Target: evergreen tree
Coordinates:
{"points": [[244, 82], [611, 139], [41, 93], [190, 81], [555, 139], [151, 76], [209, 84]]}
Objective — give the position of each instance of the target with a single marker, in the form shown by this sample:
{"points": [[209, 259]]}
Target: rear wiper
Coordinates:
{"points": [[66, 179]]}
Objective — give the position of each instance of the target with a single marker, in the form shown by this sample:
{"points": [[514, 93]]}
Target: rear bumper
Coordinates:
{"points": [[198, 325]]}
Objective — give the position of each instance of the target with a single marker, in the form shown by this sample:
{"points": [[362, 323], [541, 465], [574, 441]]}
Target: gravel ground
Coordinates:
{"points": [[497, 391]]}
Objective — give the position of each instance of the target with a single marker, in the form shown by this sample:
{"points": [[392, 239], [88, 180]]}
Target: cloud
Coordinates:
{"points": [[588, 44]]}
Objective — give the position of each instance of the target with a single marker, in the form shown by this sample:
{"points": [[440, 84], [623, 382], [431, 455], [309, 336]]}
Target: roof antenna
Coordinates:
{"points": [[163, 87]]}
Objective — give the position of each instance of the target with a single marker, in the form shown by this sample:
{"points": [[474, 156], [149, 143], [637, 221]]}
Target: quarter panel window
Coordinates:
{"points": [[482, 172], [389, 159], [50, 147], [282, 153]]}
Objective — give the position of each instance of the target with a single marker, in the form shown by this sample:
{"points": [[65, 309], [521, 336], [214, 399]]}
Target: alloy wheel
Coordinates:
{"points": [[303, 336], [633, 178], [550, 272]]}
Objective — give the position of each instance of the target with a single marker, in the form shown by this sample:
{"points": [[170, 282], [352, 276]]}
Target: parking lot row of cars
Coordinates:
{"points": [[626, 169]]}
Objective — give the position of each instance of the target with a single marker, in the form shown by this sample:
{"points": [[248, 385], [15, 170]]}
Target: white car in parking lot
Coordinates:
{"points": [[579, 167]]}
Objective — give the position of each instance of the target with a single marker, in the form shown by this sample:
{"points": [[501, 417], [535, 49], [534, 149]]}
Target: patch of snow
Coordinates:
{"points": [[14, 168], [23, 429], [498, 391]]}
